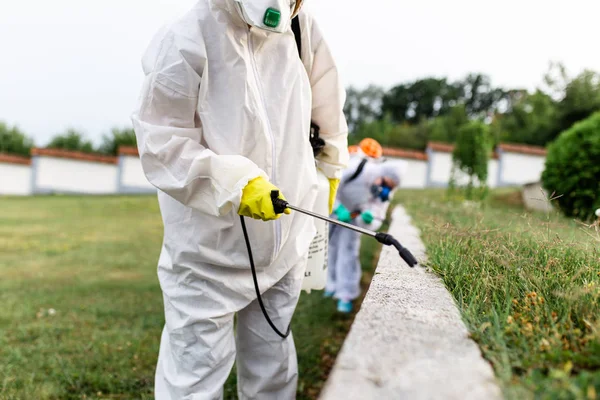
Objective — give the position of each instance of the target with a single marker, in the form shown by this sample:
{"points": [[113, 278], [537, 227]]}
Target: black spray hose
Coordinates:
{"points": [[280, 205], [258, 295], [384, 238]]}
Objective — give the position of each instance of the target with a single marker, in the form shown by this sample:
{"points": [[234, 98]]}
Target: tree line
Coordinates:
{"points": [[412, 113], [15, 141]]}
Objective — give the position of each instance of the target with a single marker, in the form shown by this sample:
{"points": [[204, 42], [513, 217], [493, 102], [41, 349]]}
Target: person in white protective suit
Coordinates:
{"points": [[223, 119], [362, 200]]}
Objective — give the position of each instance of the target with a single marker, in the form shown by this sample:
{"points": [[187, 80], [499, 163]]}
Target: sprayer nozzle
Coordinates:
{"points": [[389, 240]]}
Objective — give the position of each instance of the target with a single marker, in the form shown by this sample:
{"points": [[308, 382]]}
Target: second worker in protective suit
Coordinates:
{"points": [[362, 200], [223, 119]]}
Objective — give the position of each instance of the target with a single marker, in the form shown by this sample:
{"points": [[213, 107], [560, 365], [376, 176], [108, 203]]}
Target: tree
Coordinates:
{"points": [[532, 120], [572, 169], [13, 141], [577, 98], [117, 138], [380, 130], [432, 97], [480, 97], [556, 80], [394, 135], [410, 114], [71, 140], [511, 98], [581, 99], [411, 136], [362, 106], [471, 154], [445, 128], [396, 102], [422, 99], [538, 118]]}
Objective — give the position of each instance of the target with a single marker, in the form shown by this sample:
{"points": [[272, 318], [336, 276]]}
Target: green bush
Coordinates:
{"points": [[471, 155], [13, 141], [71, 140], [117, 138], [572, 172]]}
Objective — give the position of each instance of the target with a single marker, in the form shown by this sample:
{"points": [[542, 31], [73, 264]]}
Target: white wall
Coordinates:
{"points": [[492, 180], [518, 169], [74, 176], [441, 168], [413, 172], [15, 179], [132, 174], [52, 174]]}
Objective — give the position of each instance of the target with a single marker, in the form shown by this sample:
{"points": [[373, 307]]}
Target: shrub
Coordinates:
{"points": [[471, 155], [13, 141], [117, 138], [572, 171], [71, 140]]}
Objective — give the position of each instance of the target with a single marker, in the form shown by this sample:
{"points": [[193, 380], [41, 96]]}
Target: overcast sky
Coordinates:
{"points": [[77, 63]]}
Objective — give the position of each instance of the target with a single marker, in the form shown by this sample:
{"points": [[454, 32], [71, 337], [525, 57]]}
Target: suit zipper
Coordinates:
{"points": [[273, 147]]}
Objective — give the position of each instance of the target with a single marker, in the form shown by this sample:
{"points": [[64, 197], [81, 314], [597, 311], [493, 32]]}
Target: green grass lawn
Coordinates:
{"points": [[81, 310], [528, 286]]}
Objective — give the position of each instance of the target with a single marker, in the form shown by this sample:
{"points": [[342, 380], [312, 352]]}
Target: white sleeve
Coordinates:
{"points": [[328, 97], [169, 134]]}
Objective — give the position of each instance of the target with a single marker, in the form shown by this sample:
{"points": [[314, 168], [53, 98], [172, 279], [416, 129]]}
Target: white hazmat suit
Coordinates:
{"points": [[222, 104], [344, 269]]}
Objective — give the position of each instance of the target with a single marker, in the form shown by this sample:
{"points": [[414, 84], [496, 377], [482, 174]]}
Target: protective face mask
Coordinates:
{"points": [[383, 192], [270, 15]]}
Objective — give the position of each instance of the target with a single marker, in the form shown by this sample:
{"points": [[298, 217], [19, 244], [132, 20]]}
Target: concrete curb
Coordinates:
{"points": [[408, 340]]}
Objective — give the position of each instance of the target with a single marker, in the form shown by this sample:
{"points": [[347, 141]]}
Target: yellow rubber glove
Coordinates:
{"points": [[333, 187], [256, 200]]}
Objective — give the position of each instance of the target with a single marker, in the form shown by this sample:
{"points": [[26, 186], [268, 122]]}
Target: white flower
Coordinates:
{"points": [[52, 311]]}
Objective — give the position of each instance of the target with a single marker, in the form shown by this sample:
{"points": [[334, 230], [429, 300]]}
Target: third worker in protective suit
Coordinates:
{"points": [[362, 200], [223, 119]]}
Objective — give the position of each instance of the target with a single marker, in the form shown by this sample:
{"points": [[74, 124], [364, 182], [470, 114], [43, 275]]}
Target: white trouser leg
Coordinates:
{"points": [[266, 364], [348, 269], [333, 257], [195, 359]]}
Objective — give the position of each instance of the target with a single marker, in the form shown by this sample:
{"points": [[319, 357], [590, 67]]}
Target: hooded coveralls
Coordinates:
{"points": [[344, 269], [222, 104]]}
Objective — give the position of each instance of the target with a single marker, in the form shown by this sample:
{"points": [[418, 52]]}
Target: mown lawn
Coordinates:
{"points": [[528, 286], [81, 308]]}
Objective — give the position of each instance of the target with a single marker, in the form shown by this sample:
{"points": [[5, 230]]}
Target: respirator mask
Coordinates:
{"points": [[381, 191], [270, 15]]}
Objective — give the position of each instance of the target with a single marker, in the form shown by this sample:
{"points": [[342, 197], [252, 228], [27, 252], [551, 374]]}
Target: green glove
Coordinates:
{"points": [[367, 217], [343, 214]]}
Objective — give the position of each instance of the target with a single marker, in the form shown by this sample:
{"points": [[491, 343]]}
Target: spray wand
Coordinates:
{"points": [[384, 238]]}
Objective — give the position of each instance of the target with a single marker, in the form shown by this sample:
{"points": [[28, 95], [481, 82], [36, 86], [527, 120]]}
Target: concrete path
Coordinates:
{"points": [[408, 340]]}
